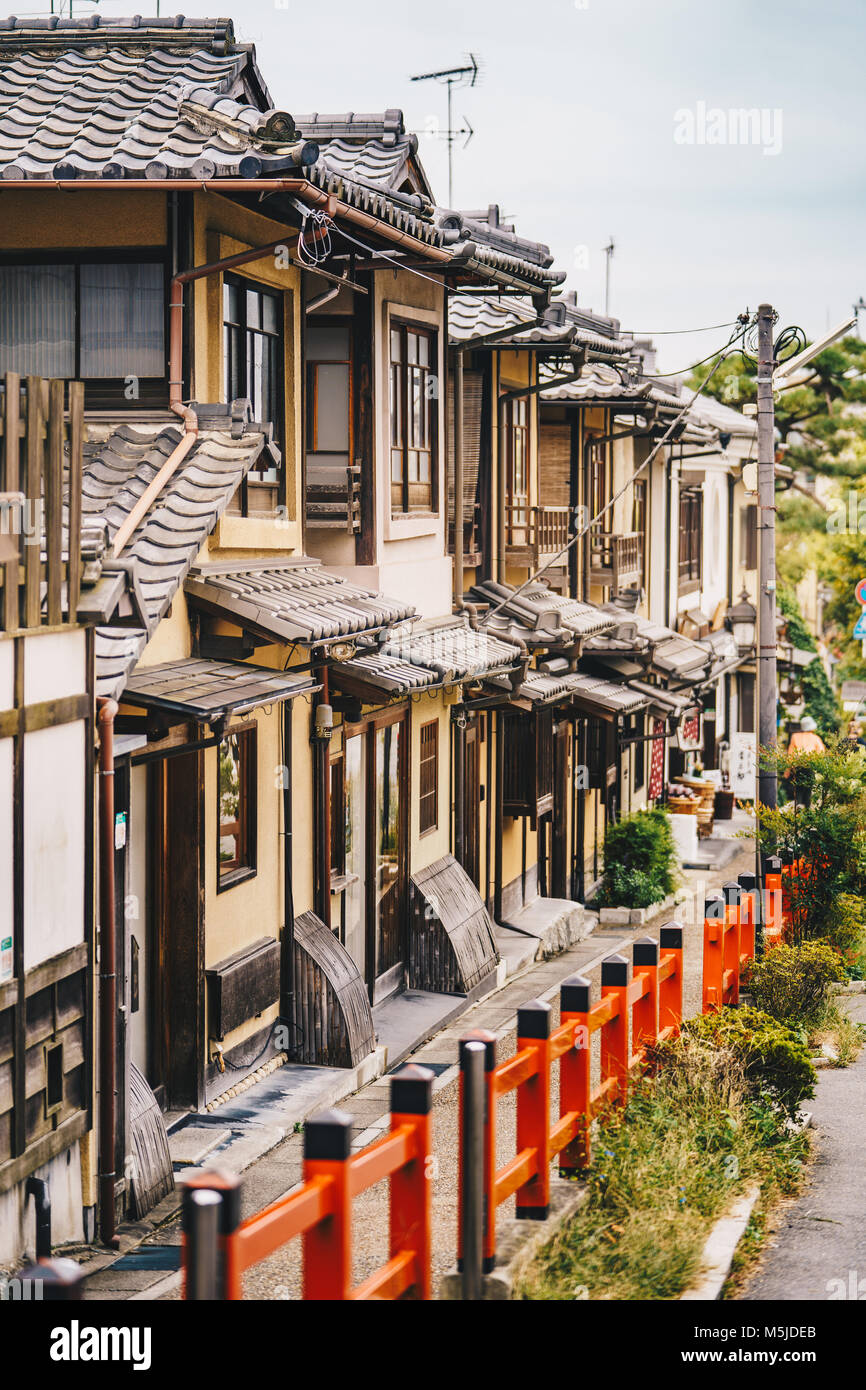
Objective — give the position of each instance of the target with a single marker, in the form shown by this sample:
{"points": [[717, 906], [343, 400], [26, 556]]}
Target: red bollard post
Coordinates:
{"points": [[671, 987], [747, 916], [411, 1216], [533, 1110], [328, 1244], [772, 901], [228, 1185], [731, 947], [644, 1011], [614, 1033], [489, 1040], [574, 1070], [714, 921]]}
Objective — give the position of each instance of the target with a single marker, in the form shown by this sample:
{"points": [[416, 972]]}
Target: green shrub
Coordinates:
{"points": [[639, 861], [774, 1058], [792, 983]]}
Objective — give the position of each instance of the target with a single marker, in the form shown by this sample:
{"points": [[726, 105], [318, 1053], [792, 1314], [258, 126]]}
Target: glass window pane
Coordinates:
{"points": [[332, 407], [396, 466], [230, 804], [412, 347], [37, 319], [231, 302], [423, 468], [396, 345], [326, 343], [254, 309], [270, 313], [122, 320], [396, 408], [424, 351]]}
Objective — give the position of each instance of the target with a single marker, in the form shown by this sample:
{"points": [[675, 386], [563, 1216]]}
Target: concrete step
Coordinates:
{"points": [[553, 924]]}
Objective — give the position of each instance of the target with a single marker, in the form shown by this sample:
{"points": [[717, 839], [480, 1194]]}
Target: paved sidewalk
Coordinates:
{"points": [[818, 1251]]}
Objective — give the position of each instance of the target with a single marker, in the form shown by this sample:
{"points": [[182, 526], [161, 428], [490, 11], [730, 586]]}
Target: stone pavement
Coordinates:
{"points": [[818, 1250]]}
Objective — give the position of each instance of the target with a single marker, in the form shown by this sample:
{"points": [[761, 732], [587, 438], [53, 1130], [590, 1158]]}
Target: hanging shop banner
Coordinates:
{"points": [[744, 765], [689, 734], [657, 762]]}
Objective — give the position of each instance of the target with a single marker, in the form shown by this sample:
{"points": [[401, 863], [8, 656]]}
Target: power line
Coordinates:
{"points": [[578, 535]]}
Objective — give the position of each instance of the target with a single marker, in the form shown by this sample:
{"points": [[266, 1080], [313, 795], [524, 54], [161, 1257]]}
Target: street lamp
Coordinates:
{"points": [[743, 621]]}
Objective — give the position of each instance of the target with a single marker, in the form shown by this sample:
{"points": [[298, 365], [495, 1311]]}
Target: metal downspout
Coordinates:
{"points": [[107, 710]]}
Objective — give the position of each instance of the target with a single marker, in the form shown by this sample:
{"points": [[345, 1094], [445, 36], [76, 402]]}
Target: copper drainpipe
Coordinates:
{"points": [[107, 710]]}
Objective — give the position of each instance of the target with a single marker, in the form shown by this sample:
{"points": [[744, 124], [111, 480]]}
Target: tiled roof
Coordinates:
{"points": [[161, 549], [538, 616], [206, 690], [386, 672], [453, 649], [542, 689], [122, 100], [474, 315], [603, 695], [652, 645], [292, 600], [491, 249], [365, 147]]}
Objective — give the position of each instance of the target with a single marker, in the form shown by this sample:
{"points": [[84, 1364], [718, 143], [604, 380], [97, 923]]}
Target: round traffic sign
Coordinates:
{"points": [[860, 592]]}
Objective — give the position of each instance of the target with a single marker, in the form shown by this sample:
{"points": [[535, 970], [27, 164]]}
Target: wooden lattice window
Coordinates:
{"points": [[428, 801], [236, 808]]}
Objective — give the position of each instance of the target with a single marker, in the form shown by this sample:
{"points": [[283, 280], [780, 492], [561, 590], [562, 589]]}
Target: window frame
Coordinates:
{"points": [[247, 284], [429, 505], [247, 737], [98, 394], [640, 519], [341, 321], [691, 539], [429, 794]]}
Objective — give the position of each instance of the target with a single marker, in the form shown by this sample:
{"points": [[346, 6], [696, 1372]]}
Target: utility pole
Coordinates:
{"points": [[767, 776]]}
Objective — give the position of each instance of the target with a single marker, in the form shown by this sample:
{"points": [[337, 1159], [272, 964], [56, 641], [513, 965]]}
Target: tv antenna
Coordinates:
{"points": [[466, 76], [608, 252]]}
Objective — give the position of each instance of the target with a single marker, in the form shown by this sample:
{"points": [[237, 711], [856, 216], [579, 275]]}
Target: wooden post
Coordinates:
{"points": [[614, 1033], [747, 916], [714, 919], [574, 1070], [644, 1012], [76, 445], [54, 505], [489, 1160], [533, 1110], [328, 1244], [228, 1185], [411, 1205], [731, 948], [10, 483], [671, 988], [33, 502]]}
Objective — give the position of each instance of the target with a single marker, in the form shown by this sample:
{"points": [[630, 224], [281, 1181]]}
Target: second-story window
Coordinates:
{"points": [[414, 418], [329, 393], [252, 356], [100, 320], [691, 538], [639, 522], [517, 459]]}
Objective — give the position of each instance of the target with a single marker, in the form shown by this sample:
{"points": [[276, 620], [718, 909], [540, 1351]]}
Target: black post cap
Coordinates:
{"points": [[574, 995], [644, 951], [412, 1090], [54, 1281], [614, 970], [747, 881], [533, 1020], [732, 894], [479, 1035], [328, 1135], [228, 1185], [671, 936], [773, 865], [714, 907]]}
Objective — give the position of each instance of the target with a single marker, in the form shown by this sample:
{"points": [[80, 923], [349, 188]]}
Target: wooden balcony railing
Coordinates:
{"points": [[333, 496], [533, 534], [40, 537], [471, 538], [616, 561]]}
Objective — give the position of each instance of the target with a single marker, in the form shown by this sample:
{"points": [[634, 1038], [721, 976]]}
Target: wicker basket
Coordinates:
{"points": [[682, 805]]}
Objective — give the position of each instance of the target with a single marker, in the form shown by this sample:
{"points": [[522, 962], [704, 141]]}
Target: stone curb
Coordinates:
{"points": [[718, 1253]]}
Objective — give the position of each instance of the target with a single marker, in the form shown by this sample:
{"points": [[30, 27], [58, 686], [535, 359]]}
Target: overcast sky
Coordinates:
{"points": [[575, 118]]}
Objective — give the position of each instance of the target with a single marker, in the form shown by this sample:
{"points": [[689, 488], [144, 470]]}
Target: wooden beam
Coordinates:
{"points": [[33, 494], [9, 483], [76, 442], [54, 504]]}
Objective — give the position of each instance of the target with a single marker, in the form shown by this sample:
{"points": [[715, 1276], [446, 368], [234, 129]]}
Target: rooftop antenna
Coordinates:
{"points": [[608, 251], [858, 310], [466, 76]]}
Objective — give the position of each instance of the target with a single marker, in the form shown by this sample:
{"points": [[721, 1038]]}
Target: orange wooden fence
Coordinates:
{"points": [[320, 1210], [630, 1014]]}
